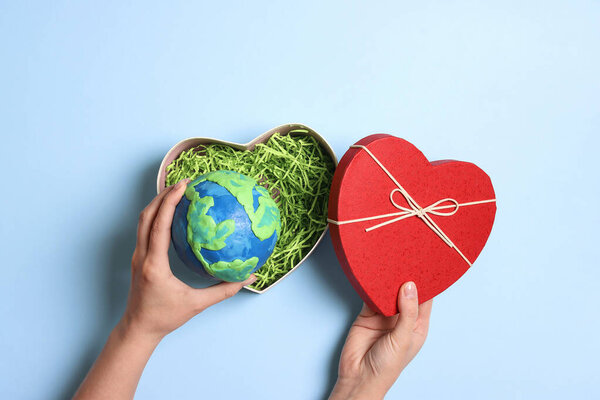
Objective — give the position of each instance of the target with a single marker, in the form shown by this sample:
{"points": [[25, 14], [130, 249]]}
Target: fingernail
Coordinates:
{"points": [[250, 280], [410, 290], [180, 184]]}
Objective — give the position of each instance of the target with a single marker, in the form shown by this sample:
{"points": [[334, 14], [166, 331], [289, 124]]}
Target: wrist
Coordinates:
{"points": [[128, 331], [357, 389]]}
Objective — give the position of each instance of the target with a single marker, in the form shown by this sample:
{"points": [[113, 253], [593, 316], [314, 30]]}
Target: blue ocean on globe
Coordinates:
{"points": [[226, 225]]}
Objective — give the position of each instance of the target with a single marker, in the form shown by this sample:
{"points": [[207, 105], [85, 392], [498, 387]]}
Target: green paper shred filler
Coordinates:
{"points": [[296, 171]]}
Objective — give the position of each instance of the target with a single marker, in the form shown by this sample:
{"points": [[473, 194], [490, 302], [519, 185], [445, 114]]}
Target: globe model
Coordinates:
{"points": [[226, 225]]}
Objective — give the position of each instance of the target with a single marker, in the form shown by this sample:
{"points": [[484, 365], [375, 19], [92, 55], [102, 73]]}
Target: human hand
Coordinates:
{"points": [[159, 302], [378, 348]]}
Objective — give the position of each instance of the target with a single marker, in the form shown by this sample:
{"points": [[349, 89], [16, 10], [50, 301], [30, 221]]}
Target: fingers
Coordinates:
{"points": [[160, 232], [221, 291], [146, 219], [408, 304], [366, 311]]}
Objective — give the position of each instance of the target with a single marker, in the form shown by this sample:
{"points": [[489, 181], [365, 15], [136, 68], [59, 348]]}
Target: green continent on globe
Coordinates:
{"points": [[266, 219], [233, 271], [204, 232]]}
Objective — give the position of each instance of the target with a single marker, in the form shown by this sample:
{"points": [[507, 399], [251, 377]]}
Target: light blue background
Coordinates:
{"points": [[93, 94]]}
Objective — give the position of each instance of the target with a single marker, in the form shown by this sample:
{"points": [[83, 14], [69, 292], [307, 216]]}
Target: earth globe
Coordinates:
{"points": [[225, 225]]}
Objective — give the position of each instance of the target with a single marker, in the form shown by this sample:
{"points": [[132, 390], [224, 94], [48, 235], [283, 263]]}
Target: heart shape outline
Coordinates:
{"points": [[374, 273], [285, 129]]}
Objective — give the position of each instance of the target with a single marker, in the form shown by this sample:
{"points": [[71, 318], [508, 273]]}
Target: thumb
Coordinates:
{"points": [[408, 304], [214, 294]]}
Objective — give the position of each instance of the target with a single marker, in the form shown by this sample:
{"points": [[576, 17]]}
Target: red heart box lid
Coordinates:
{"points": [[396, 217]]}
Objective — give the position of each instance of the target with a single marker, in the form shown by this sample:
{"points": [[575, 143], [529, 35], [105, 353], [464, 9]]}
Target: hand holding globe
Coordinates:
{"points": [[225, 225]]}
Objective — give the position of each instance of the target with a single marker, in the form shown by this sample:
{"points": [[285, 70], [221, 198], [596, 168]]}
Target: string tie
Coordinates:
{"points": [[443, 208]]}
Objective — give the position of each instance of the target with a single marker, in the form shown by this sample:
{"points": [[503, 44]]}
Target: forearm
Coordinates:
{"points": [[116, 372]]}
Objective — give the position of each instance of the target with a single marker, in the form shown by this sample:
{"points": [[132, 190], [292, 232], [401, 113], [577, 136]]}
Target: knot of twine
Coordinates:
{"points": [[415, 209]]}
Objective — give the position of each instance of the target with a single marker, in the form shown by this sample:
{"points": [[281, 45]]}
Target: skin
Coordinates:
{"points": [[158, 303], [377, 349]]}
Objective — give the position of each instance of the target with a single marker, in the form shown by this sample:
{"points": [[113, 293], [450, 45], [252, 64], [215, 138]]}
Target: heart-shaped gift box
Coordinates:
{"points": [[287, 129], [396, 217]]}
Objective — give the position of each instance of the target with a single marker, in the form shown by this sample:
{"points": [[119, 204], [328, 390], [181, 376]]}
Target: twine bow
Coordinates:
{"points": [[415, 209]]}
